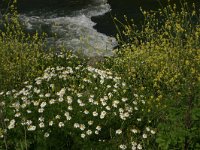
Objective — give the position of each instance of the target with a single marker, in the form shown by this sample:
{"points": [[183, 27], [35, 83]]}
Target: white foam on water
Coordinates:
{"points": [[76, 30]]}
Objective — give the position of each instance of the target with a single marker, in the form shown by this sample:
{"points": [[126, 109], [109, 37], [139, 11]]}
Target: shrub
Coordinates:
{"points": [[162, 62], [22, 56], [84, 106]]}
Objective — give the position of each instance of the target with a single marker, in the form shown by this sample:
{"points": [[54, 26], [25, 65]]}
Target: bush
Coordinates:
{"points": [[22, 56], [162, 62], [84, 106]]}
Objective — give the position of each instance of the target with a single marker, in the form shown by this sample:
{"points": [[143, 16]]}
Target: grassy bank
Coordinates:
{"points": [[145, 97]]}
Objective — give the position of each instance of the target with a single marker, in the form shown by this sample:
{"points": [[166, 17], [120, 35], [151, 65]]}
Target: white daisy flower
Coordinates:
{"points": [[122, 146], [144, 136], [88, 132], [43, 104], [83, 135], [95, 113], [139, 146], [41, 124], [153, 132], [50, 123], [119, 131], [46, 135], [76, 125], [31, 128], [61, 124]]}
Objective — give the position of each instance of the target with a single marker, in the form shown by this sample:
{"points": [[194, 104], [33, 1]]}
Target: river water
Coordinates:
{"points": [[85, 26], [72, 25]]}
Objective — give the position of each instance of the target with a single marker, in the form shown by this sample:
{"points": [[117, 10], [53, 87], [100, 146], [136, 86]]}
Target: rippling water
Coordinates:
{"points": [[73, 27], [83, 25]]}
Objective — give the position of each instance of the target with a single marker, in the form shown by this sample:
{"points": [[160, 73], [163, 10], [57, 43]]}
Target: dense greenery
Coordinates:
{"points": [[145, 97], [162, 61]]}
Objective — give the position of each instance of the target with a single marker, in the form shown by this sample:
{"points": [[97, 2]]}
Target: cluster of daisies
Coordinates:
{"points": [[79, 100]]}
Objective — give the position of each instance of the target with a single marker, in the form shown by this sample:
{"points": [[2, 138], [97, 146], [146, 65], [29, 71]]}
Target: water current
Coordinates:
{"points": [[73, 28], [85, 26]]}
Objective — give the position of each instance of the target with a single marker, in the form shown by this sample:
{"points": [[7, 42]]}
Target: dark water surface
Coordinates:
{"points": [[72, 23], [131, 8], [83, 25]]}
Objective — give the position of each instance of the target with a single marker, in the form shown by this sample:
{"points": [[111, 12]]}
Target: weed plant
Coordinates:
{"points": [[22, 56], [162, 62]]}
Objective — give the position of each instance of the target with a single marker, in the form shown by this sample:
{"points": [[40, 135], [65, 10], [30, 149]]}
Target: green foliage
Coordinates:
{"points": [[145, 97], [22, 56], [75, 105], [162, 61]]}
